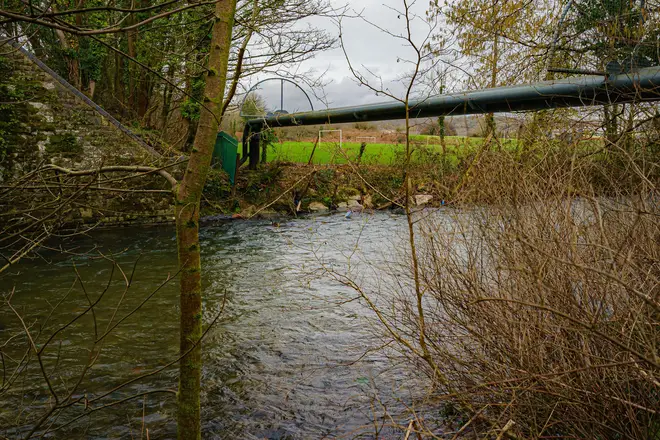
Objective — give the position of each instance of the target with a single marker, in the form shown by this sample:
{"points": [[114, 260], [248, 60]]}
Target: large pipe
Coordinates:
{"points": [[642, 85]]}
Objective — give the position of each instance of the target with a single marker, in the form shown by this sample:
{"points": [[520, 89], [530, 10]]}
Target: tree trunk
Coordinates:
{"points": [[443, 142], [363, 146], [187, 225], [119, 82], [78, 68], [143, 94], [92, 88], [71, 61], [611, 112], [441, 125], [167, 100], [35, 42], [131, 39]]}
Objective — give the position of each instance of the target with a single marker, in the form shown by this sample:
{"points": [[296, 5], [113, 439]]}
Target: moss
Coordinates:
{"points": [[80, 116], [5, 145], [5, 67], [217, 185], [14, 112], [34, 87], [65, 145], [346, 191]]}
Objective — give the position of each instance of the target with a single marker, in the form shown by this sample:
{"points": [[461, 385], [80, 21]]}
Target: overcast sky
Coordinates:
{"points": [[369, 49]]}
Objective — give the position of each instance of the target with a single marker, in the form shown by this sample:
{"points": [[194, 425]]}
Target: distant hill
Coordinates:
{"points": [[471, 125]]}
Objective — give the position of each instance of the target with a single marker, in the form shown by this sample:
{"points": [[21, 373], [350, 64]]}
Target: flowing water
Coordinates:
{"points": [[288, 358]]}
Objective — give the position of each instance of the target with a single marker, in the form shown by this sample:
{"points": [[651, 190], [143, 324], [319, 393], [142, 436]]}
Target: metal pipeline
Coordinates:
{"points": [[641, 85]]}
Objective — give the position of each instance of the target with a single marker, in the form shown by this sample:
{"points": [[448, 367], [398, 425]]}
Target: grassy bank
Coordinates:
{"points": [[328, 152], [334, 174]]}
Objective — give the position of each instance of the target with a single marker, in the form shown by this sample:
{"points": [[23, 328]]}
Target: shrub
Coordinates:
{"points": [[363, 126], [542, 307], [537, 310], [217, 184]]}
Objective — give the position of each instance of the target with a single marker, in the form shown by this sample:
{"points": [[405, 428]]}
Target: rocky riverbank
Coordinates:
{"points": [[285, 189]]}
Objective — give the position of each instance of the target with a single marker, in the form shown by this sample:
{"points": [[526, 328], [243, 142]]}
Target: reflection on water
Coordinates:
{"points": [[279, 363]]}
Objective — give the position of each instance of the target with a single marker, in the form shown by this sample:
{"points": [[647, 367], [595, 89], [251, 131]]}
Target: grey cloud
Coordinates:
{"points": [[370, 51]]}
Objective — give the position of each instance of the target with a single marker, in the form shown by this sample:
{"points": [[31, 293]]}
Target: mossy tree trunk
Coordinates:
{"points": [[612, 113], [188, 197], [441, 124], [363, 147]]}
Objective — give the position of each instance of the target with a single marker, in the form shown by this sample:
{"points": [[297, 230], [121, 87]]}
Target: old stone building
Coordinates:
{"points": [[45, 122]]}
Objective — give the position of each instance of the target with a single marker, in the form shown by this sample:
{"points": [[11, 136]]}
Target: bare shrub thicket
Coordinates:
{"points": [[541, 307], [533, 302]]}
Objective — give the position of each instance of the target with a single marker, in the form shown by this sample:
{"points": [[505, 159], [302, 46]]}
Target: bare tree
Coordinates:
{"points": [[422, 62], [187, 194]]}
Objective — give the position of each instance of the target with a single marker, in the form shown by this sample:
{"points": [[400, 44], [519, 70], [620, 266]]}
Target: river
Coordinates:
{"points": [[289, 358]]}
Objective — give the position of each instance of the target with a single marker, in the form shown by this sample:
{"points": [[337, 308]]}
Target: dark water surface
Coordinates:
{"points": [[280, 362]]}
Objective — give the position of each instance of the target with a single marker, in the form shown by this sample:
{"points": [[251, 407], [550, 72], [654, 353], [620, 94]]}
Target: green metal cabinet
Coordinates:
{"points": [[224, 154]]}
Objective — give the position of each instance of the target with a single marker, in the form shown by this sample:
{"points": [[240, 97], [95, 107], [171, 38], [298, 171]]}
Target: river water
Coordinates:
{"points": [[289, 358]]}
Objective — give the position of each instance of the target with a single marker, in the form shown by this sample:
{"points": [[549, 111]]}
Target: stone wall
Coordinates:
{"points": [[42, 122]]}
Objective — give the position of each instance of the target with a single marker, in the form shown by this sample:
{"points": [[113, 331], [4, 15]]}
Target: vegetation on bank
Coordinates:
{"points": [[426, 148], [541, 307], [278, 184]]}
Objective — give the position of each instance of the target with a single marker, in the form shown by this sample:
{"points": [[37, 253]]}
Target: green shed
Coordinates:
{"points": [[224, 153]]}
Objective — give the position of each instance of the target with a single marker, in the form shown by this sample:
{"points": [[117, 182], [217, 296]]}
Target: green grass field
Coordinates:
{"points": [[329, 152], [425, 148]]}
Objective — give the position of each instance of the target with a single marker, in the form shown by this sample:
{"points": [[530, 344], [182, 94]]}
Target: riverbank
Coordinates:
{"points": [[309, 301], [289, 189], [477, 177]]}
